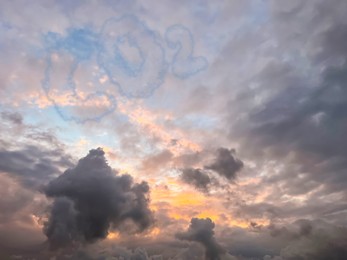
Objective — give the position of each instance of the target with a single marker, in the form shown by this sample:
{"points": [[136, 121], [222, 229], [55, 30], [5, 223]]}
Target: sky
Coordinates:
{"points": [[154, 130]]}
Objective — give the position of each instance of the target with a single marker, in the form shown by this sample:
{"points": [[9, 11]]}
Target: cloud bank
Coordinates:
{"points": [[91, 199]]}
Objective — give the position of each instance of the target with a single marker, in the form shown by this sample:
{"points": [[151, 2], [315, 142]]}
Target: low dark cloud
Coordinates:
{"points": [[225, 163], [197, 178], [202, 231], [312, 240], [33, 166], [302, 239], [91, 198]]}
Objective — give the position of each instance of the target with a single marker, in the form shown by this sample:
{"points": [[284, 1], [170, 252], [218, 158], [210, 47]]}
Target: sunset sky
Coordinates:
{"points": [[133, 129]]}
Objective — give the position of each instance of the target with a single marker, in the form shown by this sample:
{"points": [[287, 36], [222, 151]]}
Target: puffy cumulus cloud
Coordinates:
{"points": [[91, 198], [197, 178], [201, 231], [226, 164]]}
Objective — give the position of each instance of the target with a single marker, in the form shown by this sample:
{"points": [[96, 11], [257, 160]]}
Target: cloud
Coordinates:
{"points": [[201, 231], [291, 126], [32, 166], [301, 239], [20, 208], [35, 157], [91, 198], [122, 253], [30, 157], [314, 240], [275, 89], [13, 117], [312, 130], [226, 164], [197, 178], [194, 251], [156, 161]]}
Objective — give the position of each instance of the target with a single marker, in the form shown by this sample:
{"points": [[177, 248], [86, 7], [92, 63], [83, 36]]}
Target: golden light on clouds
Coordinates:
{"points": [[113, 235], [148, 121]]}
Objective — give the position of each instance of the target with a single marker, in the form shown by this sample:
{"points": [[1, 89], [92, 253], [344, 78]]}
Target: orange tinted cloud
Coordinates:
{"points": [[148, 121], [67, 99]]}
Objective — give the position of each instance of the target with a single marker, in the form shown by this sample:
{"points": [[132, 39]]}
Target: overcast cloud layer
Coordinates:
{"points": [[173, 129]]}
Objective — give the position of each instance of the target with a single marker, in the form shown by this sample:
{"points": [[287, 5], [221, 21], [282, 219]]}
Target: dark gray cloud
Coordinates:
{"points": [[313, 240], [91, 198], [201, 231], [197, 178], [308, 119], [225, 163], [30, 157], [302, 239], [30, 153], [33, 166], [292, 124]]}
